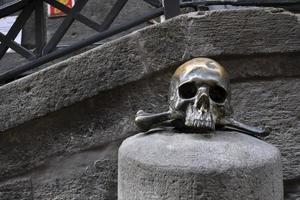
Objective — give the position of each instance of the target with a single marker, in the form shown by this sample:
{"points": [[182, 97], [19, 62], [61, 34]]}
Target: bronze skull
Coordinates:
{"points": [[200, 92], [199, 101]]}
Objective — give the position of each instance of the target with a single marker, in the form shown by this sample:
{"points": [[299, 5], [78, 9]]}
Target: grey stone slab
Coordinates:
{"points": [[253, 68], [276, 104], [60, 151], [222, 33], [138, 55], [20, 189], [92, 123], [218, 165], [91, 174]]}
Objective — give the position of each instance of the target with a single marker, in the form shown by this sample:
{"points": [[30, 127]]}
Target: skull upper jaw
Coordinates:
{"points": [[195, 118], [199, 119]]}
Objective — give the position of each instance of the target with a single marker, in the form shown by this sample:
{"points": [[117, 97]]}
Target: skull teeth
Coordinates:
{"points": [[198, 124], [197, 119]]}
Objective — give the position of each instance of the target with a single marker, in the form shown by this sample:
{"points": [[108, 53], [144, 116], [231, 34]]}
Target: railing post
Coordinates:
{"points": [[171, 8], [40, 27]]}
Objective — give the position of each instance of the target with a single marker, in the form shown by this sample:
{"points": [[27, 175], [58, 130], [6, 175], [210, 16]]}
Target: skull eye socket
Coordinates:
{"points": [[218, 94], [188, 90]]}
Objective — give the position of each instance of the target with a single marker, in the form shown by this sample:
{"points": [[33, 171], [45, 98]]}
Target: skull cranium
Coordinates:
{"points": [[200, 92]]}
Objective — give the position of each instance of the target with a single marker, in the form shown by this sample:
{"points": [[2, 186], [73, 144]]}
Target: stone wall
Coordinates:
{"points": [[61, 127]]}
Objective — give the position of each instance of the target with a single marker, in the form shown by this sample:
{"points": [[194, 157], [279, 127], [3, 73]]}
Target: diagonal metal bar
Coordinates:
{"points": [[100, 36], [12, 7], [63, 28], [114, 12], [17, 26], [15, 46], [40, 27], [81, 18]]}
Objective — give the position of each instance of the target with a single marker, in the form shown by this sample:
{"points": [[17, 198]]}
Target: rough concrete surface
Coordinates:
{"points": [[178, 166], [275, 103], [91, 174], [45, 150], [16, 190], [86, 104]]}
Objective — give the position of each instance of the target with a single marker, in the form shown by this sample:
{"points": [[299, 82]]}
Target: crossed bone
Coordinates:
{"points": [[145, 121]]}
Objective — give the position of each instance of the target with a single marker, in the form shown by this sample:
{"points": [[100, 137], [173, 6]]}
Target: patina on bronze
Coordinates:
{"points": [[199, 101]]}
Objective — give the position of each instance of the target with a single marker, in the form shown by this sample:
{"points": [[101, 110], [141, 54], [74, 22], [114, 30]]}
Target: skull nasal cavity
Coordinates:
{"points": [[203, 102]]}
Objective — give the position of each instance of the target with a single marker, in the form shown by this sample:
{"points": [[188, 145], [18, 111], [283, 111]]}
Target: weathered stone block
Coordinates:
{"points": [[274, 103], [20, 189], [91, 174], [219, 165]]}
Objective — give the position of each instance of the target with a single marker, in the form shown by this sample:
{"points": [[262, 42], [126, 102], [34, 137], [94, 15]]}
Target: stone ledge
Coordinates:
{"points": [[152, 49]]}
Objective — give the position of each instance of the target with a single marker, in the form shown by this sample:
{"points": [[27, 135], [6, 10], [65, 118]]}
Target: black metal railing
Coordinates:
{"points": [[46, 51]]}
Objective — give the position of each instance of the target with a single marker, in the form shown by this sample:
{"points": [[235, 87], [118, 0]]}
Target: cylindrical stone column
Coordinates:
{"points": [[216, 166]]}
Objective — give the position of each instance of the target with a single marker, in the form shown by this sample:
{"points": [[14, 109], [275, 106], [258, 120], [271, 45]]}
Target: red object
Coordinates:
{"points": [[54, 12]]}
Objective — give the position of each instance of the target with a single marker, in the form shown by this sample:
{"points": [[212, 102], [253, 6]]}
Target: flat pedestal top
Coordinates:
{"points": [[219, 150], [215, 166]]}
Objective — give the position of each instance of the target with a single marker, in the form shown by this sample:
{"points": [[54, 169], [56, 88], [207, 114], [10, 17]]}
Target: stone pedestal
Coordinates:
{"points": [[217, 166]]}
